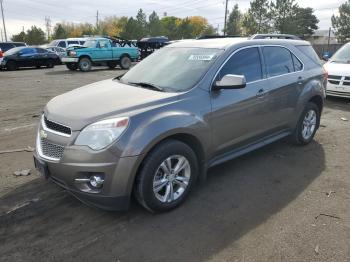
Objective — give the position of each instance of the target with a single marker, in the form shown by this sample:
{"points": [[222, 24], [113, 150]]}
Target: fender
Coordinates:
{"points": [[154, 129]]}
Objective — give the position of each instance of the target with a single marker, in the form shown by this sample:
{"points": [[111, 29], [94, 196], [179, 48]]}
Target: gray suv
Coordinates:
{"points": [[154, 131]]}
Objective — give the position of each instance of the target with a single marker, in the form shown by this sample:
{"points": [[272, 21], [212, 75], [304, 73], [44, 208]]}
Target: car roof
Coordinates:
{"points": [[224, 43]]}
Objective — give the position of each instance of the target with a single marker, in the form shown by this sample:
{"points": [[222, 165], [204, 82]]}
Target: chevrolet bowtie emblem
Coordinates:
{"points": [[43, 134]]}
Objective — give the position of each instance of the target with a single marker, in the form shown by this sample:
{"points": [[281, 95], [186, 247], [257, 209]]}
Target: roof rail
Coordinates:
{"points": [[274, 36], [215, 36]]}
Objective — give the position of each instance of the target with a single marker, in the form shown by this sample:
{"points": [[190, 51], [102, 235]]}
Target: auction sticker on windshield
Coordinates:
{"points": [[201, 57]]}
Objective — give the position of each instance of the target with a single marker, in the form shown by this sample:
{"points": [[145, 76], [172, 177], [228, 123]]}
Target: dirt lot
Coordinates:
{"points": [[280, 203]]}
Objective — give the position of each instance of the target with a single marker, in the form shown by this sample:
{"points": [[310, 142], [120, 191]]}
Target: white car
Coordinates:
{"points": [[338, 68]]}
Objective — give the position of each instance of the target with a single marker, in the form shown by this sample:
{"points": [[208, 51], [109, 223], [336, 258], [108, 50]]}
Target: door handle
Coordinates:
{"points": [[300, 80]]}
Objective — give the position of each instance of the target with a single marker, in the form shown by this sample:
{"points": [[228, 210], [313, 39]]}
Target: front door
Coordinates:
{"points": [[240, 116]]}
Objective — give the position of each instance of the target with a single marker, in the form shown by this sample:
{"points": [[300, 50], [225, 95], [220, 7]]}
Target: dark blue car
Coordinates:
{"points": [[29, 57]]}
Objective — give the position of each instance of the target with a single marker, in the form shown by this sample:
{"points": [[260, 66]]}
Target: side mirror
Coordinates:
{"points": [[230, 82]]}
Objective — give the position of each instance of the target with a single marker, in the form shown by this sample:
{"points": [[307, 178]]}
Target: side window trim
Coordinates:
{"points": [[232, 54], [292, 54]]}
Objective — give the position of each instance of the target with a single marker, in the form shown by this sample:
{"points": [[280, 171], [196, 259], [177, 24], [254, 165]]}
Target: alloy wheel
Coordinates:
{"points": [[171, 178]]}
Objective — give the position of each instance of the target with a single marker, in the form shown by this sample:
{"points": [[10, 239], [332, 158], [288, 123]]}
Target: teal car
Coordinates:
{"points": [[100, 52]]}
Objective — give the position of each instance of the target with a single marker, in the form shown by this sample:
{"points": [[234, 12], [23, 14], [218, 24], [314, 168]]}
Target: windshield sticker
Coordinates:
{"points": [[201, 57]]}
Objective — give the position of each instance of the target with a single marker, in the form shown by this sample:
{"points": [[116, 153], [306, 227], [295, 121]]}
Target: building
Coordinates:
{"points": [[320, 37]]}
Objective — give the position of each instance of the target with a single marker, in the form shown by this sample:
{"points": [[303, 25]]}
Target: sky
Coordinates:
{"points": [[24, 13]]}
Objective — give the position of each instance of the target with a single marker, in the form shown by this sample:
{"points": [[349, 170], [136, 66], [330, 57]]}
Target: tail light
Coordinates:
{"points": [[325, 74], [1, 54]]}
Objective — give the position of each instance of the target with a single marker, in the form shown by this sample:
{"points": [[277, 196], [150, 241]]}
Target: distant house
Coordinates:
{"points": [[320, 37]]}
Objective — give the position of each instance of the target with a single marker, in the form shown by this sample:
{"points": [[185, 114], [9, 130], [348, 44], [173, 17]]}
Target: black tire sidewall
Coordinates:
{"points": [[145, 193], [300, 138]]}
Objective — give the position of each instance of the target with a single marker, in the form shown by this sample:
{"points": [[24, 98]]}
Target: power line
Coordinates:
{"points": [[3, 19]]}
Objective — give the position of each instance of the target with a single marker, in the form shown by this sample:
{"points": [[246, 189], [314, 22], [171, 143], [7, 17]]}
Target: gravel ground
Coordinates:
{"points": [[280, 203]]}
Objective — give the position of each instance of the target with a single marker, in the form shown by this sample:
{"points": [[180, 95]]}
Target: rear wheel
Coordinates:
{"points": [[11, 65], [72, 66], [307, 125], [125, 62], [112, 64], [166, 176], [85, 64], [50, 63]]}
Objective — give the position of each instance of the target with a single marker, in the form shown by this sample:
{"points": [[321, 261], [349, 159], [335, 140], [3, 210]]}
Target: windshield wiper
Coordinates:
{"points": [[147, 85]]}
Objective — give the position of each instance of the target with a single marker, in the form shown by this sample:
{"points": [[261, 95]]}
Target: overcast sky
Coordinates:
{"points": [[19, 13]]}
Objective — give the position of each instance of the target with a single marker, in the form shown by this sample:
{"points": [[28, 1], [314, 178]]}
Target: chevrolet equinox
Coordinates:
{"points": [[155, 130]]}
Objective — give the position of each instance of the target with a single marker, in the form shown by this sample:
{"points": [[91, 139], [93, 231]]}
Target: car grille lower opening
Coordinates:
{"points": [[57, 127], [51, 150]]}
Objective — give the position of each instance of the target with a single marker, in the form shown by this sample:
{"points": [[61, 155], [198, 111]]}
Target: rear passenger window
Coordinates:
{"points": [[245, 62], [308, 51], [278, 60], [62, 44]]}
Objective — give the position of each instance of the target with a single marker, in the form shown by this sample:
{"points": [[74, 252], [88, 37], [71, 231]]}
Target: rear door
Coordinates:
{"points": [[240, 116], [285, 81]]}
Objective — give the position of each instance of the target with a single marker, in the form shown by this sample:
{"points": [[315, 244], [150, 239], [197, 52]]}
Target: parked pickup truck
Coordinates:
{"points": [[100, 51]]}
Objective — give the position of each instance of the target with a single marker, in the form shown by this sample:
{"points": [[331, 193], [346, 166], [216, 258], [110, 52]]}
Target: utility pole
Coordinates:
{"points": [[329, 37], [2, 37], [97, 20], [48, 26], [3, 19], [225, 17]]}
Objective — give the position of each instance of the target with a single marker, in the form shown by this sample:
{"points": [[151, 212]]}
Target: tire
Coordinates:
{"points": [[125, 62], [85, 64], [50, 63], [72, 66], [112, 64], [153, 171], [307, 125], [11, 65], [38, 66]]}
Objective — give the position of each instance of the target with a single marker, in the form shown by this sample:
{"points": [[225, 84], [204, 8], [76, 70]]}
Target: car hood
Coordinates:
{"points": [[337, 69], [88, 104]]}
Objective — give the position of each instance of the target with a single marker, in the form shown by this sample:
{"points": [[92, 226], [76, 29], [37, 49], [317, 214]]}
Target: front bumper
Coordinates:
{"points": [[80, 162], [70, 60], [342, 89]]}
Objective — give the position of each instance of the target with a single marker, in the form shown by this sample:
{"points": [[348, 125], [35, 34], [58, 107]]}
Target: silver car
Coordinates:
{"points": [[189, 106]]}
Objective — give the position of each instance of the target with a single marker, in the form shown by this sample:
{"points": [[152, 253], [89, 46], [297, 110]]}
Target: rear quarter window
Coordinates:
{"points": [[310, 53]]}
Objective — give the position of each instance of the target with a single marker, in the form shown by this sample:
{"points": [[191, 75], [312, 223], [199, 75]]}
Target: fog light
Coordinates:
{"points": [[96, 181]]}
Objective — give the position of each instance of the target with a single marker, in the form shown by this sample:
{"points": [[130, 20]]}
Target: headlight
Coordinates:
{"points": [[72, 53], [103, 133]]}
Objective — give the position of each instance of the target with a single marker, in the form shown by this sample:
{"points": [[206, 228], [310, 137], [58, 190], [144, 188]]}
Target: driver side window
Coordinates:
{"points": [[245, 62]]}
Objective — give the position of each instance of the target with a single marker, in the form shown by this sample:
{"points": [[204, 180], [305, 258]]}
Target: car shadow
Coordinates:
{"points": [[237, 197], [338, 103], [94, 70]]}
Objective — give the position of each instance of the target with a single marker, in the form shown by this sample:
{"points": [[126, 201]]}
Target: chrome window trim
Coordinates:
{"points": [[262, 66], [53, 131]]}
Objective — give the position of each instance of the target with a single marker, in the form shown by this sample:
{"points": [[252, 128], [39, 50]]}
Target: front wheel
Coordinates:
{"points": [[50, 63], [166, 176], [72, 66], [307, 125], [125, 62], [85, 64]]}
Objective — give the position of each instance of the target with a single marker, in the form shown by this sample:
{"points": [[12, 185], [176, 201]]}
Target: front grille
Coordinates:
{"points": [[51, 150], [334, 77], [57, 127], [334, 82], [337, 93], [347, 78]]}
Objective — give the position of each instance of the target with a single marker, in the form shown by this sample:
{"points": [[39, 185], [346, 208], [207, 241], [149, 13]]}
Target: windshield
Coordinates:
{"points": [[90, 43], [13, 51], [173, 69], [342, 55]]}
